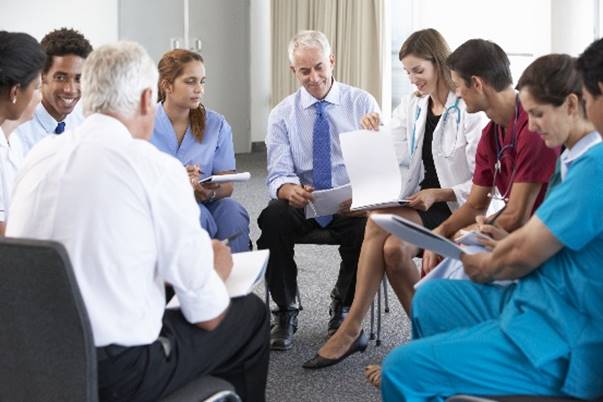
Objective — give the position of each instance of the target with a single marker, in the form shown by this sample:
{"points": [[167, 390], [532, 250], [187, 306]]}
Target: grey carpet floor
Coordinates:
{"points": [[287, 380]]}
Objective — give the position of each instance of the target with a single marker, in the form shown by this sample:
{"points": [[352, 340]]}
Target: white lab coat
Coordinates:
{"points": [[453, 145]]}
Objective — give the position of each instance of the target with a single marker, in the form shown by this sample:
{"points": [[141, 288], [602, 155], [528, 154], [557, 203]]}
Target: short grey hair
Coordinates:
{"points": [[309, 39], [114, 76]]}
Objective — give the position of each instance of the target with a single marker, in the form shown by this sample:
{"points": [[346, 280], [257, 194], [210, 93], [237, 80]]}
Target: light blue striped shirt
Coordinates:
{"points": [[290, 130]]}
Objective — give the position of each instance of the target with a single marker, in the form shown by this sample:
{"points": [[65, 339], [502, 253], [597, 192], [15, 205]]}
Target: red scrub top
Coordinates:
{"points": [[532, 160]]}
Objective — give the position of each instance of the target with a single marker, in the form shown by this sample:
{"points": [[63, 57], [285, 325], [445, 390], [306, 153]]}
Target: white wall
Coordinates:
{"points": [[95, 19], [260, 74], [573, 25]]}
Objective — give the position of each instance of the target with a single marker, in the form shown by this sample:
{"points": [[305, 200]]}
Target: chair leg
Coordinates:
{"points": [[299, 299], [372, 333], [385, 294], [267, 296], [378, 341]]}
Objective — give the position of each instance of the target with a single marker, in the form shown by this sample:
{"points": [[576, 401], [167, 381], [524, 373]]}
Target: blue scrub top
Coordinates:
{"points": [[214, 154], [556, 312]]}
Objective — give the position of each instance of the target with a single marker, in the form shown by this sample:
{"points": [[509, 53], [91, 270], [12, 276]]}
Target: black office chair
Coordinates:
{"points": [[48, 352], [324, 237]]}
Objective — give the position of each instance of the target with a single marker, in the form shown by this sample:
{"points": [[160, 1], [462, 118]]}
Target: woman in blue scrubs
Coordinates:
{"points": [[202, 140]]}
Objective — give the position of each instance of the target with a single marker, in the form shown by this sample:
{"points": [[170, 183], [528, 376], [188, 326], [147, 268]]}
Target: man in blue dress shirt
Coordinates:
{"points": [[304, 154], [66, 49], [540, 336]]}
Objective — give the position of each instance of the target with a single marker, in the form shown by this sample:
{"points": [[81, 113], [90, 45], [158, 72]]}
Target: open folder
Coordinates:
{"points": [[373, 169], [417, 235], [226, 178], [248, 270]]}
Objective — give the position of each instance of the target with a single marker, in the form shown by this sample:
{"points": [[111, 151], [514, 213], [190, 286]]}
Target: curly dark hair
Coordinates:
{"points": [[64, 41]]}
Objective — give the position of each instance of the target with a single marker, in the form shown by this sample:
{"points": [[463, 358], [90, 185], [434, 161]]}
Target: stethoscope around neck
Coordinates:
{"points": [[454, 108]]}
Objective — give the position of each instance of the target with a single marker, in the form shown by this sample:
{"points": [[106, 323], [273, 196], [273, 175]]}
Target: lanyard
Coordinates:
{"points": [[454, 108]]}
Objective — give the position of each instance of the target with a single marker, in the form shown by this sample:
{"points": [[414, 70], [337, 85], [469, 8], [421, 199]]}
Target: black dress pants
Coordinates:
{"points": [[281, 225], [237, 351]]}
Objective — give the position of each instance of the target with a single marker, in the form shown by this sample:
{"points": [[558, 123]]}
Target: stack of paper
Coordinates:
{"points": [[373, 169], [327, 202]]}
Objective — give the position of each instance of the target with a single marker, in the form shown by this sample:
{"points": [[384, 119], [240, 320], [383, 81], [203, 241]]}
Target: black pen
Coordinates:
{"points": [[496, 215], [230, 238]]}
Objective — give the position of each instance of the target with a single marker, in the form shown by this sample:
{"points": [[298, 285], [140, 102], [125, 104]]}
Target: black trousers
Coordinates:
{"points": [[281, 225], [236, 351]]}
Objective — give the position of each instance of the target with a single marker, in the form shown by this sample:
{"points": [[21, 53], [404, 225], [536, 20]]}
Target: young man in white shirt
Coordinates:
{"points": [[126, 214], [66, 49]]}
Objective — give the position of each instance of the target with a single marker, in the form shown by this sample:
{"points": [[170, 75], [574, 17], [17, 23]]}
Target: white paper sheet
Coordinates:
{"points": [[326, 202], [417, 235], [471, 237], [227, 178], [248, 270], [373, 169]]}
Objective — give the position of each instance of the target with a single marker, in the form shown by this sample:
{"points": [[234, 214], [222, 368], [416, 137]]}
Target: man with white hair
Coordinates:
{"points": [[303, 155], [125, 213]]}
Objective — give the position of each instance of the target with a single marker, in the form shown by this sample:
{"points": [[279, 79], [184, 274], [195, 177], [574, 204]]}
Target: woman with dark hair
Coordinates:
{"points": [[21, 61], [202, 140], [439, 139]]}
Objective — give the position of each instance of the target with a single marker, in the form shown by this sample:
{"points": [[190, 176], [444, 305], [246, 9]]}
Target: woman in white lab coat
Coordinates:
{"points": [[436, 140]]}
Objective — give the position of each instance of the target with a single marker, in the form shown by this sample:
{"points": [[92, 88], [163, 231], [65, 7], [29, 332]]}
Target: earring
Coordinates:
{"points": [[14, 100]]}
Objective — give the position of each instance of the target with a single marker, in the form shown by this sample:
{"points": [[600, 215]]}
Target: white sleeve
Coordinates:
{"points": [[399, 130], [184, 251], [473, 124]]}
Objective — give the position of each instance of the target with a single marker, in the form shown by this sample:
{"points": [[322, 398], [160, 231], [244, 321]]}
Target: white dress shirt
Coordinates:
{"points": [[290, 133], [127, 216], [11, 159], [43, 124]]}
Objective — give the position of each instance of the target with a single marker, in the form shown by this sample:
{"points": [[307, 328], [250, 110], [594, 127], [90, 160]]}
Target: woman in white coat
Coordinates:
{"points": [[436, 141]]}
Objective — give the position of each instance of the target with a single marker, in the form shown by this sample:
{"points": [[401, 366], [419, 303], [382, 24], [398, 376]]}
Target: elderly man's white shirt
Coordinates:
{"points": [[127, 216]]}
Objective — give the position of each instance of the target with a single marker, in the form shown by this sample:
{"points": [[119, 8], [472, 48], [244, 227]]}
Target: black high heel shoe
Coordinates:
{"points": [[318, 362]]}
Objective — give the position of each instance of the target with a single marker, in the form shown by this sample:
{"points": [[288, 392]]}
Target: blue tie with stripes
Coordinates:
{"points": [[321, 155]]}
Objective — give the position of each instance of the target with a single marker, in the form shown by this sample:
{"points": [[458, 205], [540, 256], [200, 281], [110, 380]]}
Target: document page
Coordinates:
{"points": [[227, 178], [417, 235], [248, 270], [373, 169], [326, 202]]}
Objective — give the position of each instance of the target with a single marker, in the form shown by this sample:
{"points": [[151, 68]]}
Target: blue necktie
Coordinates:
{"points": [[321, 155], [60, 128]]}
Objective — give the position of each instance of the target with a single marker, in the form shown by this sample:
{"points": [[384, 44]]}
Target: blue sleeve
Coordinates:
{"points": [[573, 211], [224, 159]]}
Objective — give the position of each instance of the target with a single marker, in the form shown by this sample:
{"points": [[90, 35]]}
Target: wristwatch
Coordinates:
{"points": [[212, 196]]}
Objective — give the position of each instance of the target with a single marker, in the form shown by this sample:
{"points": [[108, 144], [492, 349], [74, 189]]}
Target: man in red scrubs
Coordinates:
{"points": [[512, 163]]}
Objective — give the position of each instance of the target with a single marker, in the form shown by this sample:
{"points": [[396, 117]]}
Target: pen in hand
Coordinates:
{"points": [[495, 216], [230, 238]]}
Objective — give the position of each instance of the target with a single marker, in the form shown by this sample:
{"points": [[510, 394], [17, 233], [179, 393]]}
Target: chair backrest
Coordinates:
{"points": [[46, 340]]}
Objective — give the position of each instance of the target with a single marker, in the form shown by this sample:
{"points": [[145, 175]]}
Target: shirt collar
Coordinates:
{"points": [[45, 119], [333, 96], [112, 128], [583, 145]]}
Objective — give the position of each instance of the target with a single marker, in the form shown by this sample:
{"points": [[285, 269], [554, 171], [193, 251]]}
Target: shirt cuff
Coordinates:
{"points": [[206, 303], [279, 181]]}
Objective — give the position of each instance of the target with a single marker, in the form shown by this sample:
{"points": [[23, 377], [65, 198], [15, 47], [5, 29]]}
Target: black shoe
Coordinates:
{"points": [[283, 328], [337, 312], [318, 362]]}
